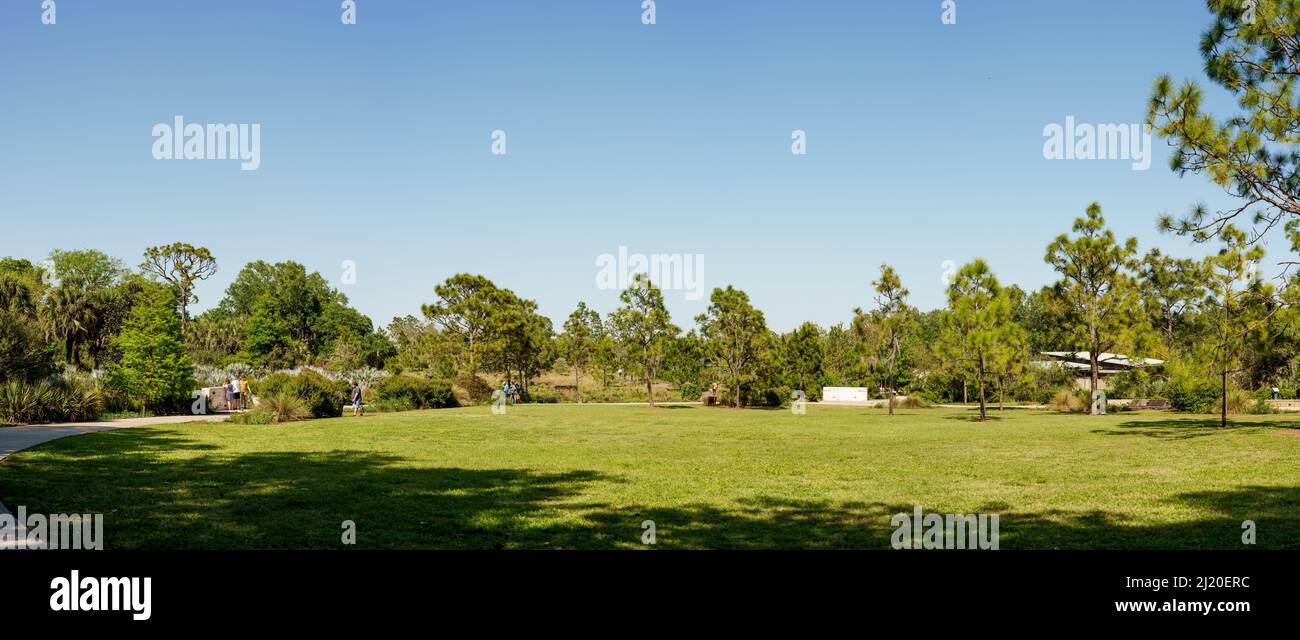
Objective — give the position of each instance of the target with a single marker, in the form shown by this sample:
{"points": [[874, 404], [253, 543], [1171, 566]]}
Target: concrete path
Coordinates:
{"points": [[14, 439]]}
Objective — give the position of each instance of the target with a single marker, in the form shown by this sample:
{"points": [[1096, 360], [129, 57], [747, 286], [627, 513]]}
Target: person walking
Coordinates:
{"points": [[356, 400], [230, 395], [245, 395]]}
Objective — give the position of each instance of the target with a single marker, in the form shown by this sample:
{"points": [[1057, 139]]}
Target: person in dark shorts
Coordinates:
{"points": [[234, 392], [230, 395], [356, 399]]}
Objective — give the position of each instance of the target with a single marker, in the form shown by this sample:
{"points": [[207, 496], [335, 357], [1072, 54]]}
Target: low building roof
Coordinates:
{"points": [[1112, 359]]}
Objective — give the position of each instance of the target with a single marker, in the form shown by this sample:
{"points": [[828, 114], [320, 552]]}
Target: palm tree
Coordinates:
{"points": [[15, 295], [71, 315]]}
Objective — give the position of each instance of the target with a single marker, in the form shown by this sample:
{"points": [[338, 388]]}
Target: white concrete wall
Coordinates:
{"points": [[845, 394]]}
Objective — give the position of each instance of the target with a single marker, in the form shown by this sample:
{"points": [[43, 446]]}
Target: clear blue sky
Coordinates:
{"points": [[924, 140]]}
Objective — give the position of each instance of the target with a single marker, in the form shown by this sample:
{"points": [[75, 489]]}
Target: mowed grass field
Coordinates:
{"points": [[566, 476]]}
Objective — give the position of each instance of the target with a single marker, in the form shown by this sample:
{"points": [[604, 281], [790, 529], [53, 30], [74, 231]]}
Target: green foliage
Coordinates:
{"points": [[685, 361], [24, 354], [284, 407], [28, 403], [691, 392], [1068, 401], [323, 397], [476, 389], [155, 371], [802, 356], [643, 330], [1191, 388], [1097, 288], [87, 268], [912, 402], [886, 333], [291, 317], [416, 393], [542, 396], [1252, 52], [736, 338], [465, 311], [978, 331], [266, 337], [180, 265]]}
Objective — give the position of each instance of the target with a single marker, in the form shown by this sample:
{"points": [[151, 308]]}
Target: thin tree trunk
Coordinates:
{"points": [[577, 390], [1223, 416], [1094, 379]]}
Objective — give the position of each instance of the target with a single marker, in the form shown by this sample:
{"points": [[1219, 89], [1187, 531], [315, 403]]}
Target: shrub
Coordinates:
{"points": [[910, 402], [1259, 407], [270, 385], [1067, 401], [26, 403], [322, 397], [1194, 397], [476, 389], [767, 397], [691, 391], [284, 407], [1239, 401], [543, 396], [391, 406], [417, 393]]}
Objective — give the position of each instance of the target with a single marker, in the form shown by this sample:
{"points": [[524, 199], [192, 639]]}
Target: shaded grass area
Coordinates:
{"points": [[565, 476]]}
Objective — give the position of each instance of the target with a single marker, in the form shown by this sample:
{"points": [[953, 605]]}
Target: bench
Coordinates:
{"points": [[1138, 405]]}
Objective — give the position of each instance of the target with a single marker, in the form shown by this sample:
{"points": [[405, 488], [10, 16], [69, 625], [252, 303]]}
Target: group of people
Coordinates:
{"points": [[236, 393], [511, 392]]}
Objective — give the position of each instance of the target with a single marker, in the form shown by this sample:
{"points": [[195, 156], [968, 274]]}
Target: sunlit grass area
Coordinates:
{"points": [[566, 476]]}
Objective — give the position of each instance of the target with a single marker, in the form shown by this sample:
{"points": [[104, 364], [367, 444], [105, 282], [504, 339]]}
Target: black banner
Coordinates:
{"points": [[744, 589]]}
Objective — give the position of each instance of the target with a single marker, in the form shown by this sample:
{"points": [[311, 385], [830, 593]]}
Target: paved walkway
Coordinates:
{"points": [[14, 439]]}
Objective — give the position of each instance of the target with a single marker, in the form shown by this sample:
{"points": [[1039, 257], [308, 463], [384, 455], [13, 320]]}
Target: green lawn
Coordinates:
{"points": [[565, 476]]}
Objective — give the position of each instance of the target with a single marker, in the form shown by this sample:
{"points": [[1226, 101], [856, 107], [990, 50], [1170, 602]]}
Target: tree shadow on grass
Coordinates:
{"points": [[973, 418], [153, 498], [1188, 428], [776, 523], [285, 500]]}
